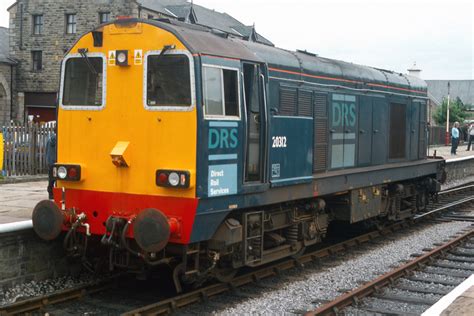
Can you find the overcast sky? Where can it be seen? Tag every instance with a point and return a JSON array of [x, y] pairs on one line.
[[390, 34]]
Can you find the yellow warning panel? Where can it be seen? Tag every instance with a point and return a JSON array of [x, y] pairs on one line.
[[138, 57], [112, 55]]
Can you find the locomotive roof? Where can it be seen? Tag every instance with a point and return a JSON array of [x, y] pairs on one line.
[[204, 40]]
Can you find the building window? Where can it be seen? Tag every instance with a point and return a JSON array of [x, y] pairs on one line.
[[104, 17], [71, 24], [37, 57], [37, 24]]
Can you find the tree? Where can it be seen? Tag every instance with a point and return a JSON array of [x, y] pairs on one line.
[[457, 112]]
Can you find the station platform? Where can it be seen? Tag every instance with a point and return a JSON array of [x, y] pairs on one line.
[[445, 152], [459, 302], [17, 200]]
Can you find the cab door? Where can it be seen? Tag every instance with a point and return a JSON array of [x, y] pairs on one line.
[[255, 123]]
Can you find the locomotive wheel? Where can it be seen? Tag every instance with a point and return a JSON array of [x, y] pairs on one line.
[[224, 274], [299, 253]]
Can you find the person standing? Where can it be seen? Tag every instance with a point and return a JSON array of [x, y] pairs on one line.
[[454, 138], [51, 157], [470, 136]]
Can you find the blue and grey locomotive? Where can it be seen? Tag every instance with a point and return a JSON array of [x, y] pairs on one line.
[[185, 146]]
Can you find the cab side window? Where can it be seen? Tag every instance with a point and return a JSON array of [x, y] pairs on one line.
[[220, 92]]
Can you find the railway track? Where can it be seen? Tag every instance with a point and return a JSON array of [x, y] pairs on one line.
[[447, 201], [39, 303], [417, 284]]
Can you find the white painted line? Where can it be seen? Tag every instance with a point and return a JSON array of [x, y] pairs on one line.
[[459, 159], [15, 226], [449, 298]]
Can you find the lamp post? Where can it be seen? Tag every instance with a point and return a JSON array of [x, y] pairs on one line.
[[447, 116]]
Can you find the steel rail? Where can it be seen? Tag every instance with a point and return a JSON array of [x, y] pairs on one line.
[[462, 187], [38, 303], [334, 307]]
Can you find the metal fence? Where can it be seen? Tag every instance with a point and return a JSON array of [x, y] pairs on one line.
[[25, 149]]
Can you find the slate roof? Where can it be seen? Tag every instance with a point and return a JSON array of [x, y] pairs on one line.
[[464, 89], [206, 17], [4, 46]]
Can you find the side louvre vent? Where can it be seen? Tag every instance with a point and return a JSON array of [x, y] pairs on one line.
[[423, 128], [305, 101], [320, 152], [288, 101]]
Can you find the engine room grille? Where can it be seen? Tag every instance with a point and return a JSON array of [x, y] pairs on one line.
[[320, 152], [305, 100], [288, 100]]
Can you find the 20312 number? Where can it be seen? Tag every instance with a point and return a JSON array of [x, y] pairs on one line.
[[279, 141]]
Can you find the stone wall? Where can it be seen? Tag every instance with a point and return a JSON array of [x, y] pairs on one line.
[[5, 93], [457, 170], [53, 42], [24, 257]]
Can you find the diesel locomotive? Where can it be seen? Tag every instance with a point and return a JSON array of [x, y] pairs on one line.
[[182, 146]]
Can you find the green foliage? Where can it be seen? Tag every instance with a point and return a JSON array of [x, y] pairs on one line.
[[457, 112]]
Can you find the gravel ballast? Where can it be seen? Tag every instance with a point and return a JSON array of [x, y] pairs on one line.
[[338, 275], [40, 288]]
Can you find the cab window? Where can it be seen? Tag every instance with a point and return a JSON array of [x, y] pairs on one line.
[[221, 88], [168, 81], [83, 82]]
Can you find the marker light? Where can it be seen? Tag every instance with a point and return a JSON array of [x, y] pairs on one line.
[[62, 172], [72, 173], [163, 178], [173, 179]]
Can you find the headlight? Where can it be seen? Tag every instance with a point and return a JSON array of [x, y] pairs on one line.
[[122, 57], [62, 172], [67, 172], [173, 179]]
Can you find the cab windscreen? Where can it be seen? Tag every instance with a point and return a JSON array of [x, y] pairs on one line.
[[83, 81], [168, 80]]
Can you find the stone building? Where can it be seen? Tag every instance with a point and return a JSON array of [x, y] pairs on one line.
[[41, 31], [7, 70]]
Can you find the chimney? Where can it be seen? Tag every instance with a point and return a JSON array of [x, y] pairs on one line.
[[414, 71]]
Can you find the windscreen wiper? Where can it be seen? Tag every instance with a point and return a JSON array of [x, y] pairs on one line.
[[83, 52], [165, 49]]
